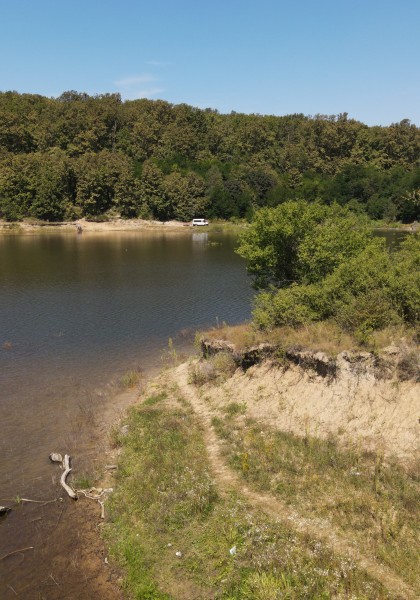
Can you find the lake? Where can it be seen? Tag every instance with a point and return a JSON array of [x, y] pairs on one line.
[[76, 313]]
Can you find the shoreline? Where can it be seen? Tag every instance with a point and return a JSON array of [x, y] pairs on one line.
[[118, 224], [28, 227]]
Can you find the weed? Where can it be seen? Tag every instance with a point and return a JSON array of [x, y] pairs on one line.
[[83, 481], [408, 367], [325, 336], [169, 355], [154, 399], [235, 408], [116, 435], [130, 379], [86, 414]]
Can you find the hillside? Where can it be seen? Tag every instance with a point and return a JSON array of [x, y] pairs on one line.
[[95, 156]]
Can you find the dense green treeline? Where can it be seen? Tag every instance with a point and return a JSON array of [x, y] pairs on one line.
[[79, 155]]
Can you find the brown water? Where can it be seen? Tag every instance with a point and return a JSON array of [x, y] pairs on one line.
[[76, 312]]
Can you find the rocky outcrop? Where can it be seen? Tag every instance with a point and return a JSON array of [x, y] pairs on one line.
[[321, 363], [245, 358], [369, 365]]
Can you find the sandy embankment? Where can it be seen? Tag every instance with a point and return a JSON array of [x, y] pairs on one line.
[[355, 403], [91, 226], [377, 415]]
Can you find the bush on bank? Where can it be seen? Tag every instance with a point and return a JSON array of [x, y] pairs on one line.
[[314, 263]]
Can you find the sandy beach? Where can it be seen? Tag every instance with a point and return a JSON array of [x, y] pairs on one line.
[[27, 226]]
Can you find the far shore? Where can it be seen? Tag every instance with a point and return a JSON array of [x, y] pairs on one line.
[[82, 225], [33, 226]]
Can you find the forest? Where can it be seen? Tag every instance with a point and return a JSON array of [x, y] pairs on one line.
[[99, 157]]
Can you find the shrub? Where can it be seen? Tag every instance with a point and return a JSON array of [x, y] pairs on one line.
[[217, 368]]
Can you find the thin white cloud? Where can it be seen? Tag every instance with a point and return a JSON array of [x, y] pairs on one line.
[[149, 93], [138, 86], [128, 82]]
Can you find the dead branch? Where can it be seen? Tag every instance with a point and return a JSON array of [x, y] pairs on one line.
[[10, 588], [90, 496], [40, 501], [16, 552], [67, 469]]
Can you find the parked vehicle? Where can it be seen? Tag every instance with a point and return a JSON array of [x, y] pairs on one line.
[[199, 222]]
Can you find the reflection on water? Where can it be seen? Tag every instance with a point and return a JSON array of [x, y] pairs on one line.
[[77, 311], [200, 238]]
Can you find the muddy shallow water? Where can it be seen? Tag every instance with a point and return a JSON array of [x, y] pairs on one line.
[[76, 313]]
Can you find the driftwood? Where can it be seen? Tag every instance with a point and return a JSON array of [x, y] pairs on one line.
[[67, 469], [99, 495], [16, 552], [65, 462]]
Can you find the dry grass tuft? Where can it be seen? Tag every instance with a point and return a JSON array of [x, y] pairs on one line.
[[216, 369]]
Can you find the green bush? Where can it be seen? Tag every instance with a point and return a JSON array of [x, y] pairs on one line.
[[293, 306], [364, 293]]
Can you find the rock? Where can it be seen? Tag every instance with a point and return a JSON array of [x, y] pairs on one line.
[[243, 358], [55, 457], [232, 551], [212, 347], [254, 355], [4, 510], [178, 554], [319, 362], [391, 350]]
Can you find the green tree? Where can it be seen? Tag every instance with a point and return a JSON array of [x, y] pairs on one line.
[[300, 242], [186, 194]]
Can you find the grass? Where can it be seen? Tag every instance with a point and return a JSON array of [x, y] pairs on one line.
[[130, 379], [83, 481], [371, 501], [176, 536], [215, 369]]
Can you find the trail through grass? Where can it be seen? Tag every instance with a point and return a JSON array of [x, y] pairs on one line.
[[179, 533]]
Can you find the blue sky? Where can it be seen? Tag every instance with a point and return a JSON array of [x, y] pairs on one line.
[[268, 57]]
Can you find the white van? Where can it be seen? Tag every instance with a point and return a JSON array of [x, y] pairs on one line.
[[199, 222]]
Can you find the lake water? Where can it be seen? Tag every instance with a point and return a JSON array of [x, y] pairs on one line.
[[76, 312]]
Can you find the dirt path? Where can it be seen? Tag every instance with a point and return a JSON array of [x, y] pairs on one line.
[[228, 480]]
